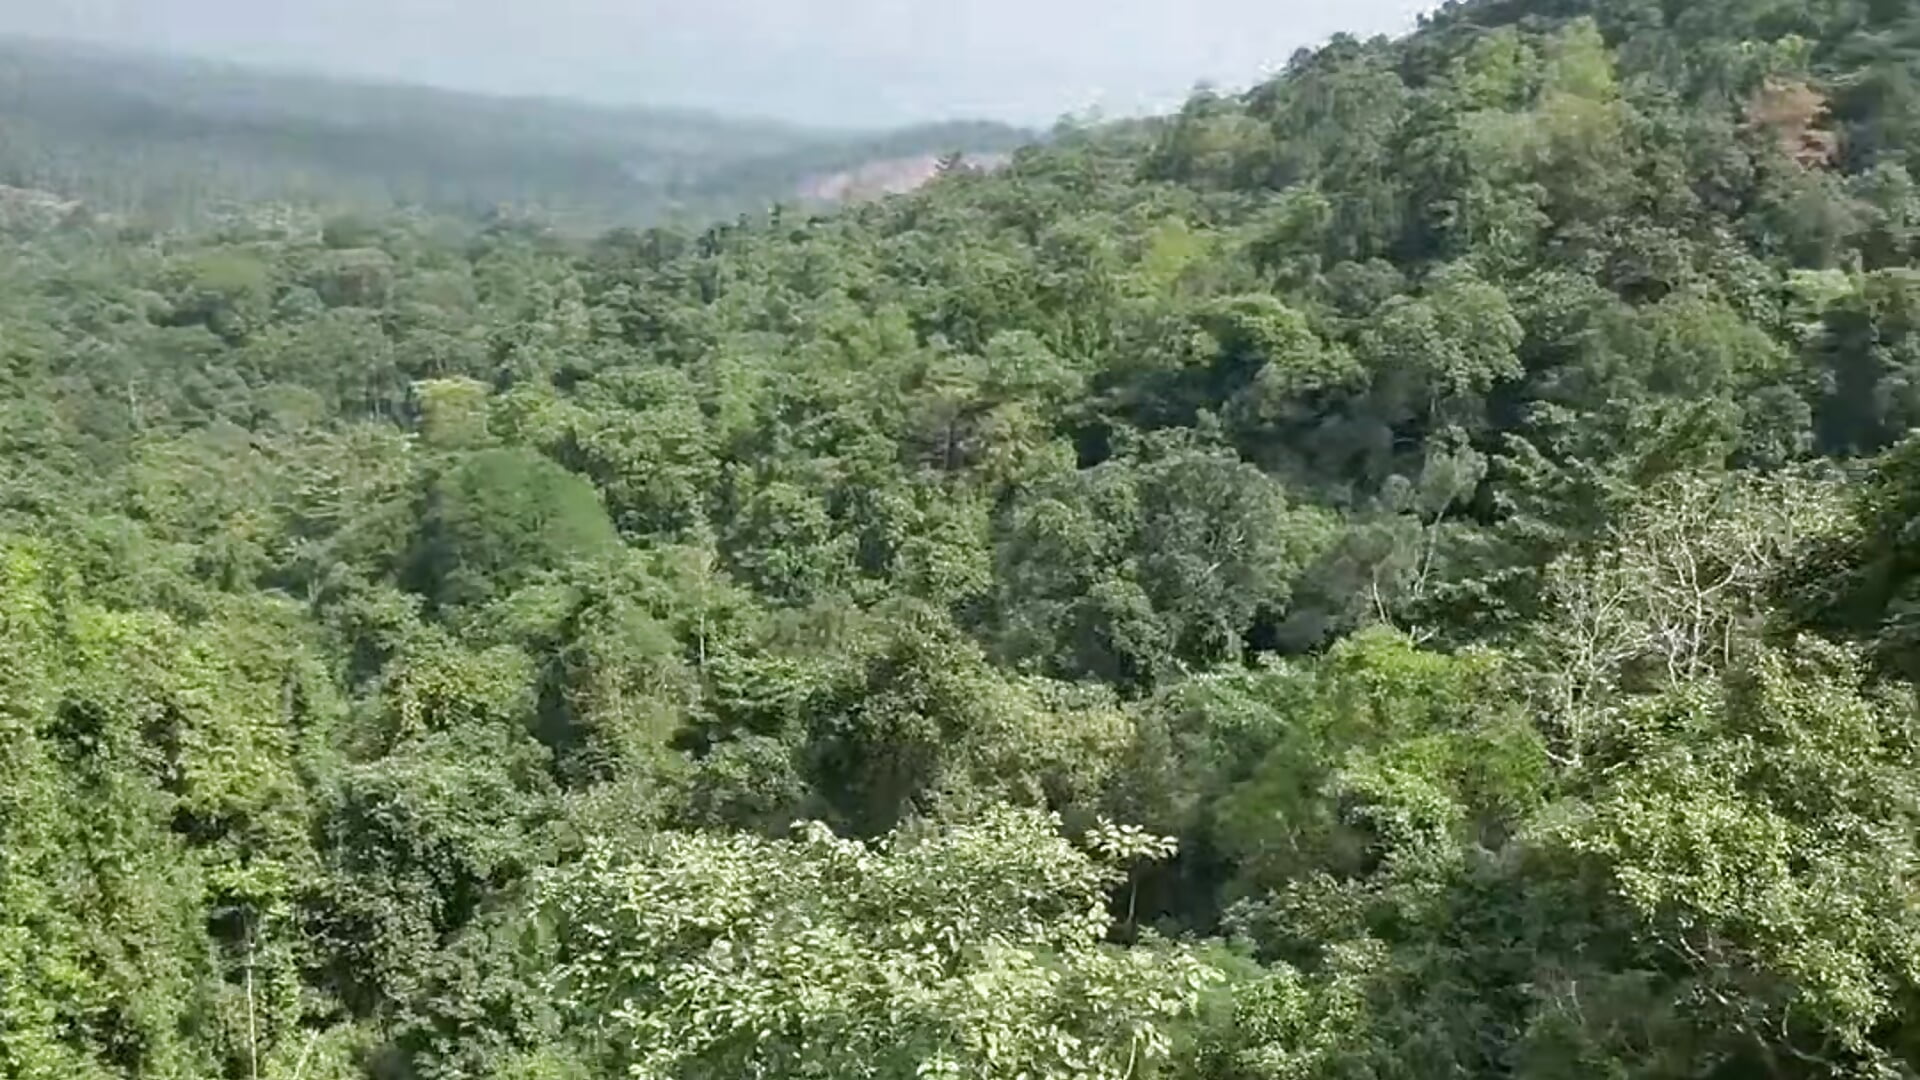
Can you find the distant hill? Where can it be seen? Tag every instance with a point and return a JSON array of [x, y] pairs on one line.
[[166, 138]]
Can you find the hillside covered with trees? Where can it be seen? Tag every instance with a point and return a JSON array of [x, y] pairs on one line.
[[179, 142], [1404, 573]]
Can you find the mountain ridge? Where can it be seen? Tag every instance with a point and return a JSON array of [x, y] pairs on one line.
[[79, 119]]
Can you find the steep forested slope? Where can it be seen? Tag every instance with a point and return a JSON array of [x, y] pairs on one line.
[[1407, 572]]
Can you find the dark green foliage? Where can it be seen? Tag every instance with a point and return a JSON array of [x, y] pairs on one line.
[[1860, 580], [1128, 571]]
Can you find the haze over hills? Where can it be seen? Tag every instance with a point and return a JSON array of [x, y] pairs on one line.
[[824, 62], [169, 138]]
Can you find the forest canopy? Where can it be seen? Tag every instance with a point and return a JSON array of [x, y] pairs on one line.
[[1404, 572]]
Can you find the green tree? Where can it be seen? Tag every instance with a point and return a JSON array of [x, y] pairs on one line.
[[971, 951], [497, 518]]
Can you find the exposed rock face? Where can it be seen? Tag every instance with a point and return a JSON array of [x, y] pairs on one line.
[[889, 176]]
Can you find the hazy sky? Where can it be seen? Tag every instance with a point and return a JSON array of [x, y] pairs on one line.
[[821, 61]]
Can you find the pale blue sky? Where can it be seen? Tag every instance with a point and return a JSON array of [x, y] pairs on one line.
[[818, 61]]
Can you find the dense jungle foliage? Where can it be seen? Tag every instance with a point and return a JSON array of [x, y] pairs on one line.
[[1408, 572]]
